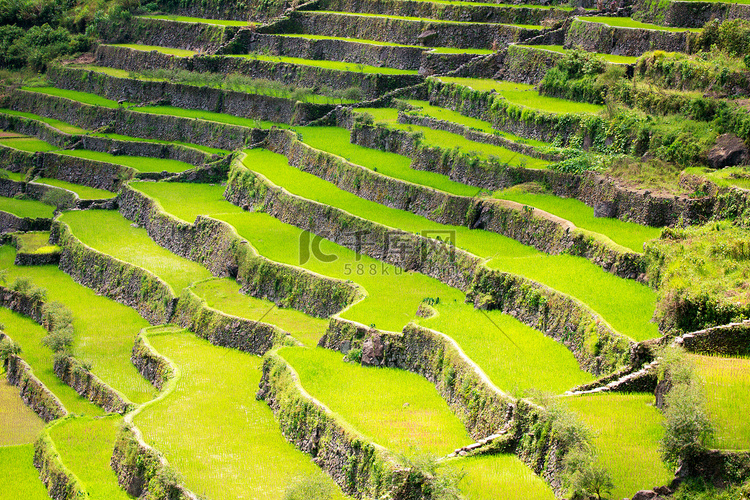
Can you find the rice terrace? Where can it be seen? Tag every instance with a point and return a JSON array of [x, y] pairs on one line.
[[374, 249]]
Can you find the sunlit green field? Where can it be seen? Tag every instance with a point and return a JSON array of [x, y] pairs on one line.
[[26, 208], [18, 423], [105, 344], [226, 444], [34, 242], [626, 22], [140, 163], [499, 476], [628, 234], [224, 295], [334, 65], [184, 19], [448, 140], [208, 116], [111, 233], [19, 478], [607, 57], [627, 429], [59, 125], [397, 409], [407, 18], [74, 95], [85, 446], [727, 381], [188, 200], [29, 144], [83, 192], [522, 94], [156, 48]]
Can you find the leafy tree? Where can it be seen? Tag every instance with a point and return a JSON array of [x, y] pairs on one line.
[[585, 475], [8, 348]]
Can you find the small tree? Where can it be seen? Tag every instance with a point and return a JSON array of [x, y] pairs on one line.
[[309, 488], [8, 348], [585, 475], [59, 339]]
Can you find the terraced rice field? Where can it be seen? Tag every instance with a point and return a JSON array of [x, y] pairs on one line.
[[18, 423], [607, 57], [19, 478], [626, 22], [26, 208]]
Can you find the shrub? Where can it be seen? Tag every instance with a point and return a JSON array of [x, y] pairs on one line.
[[22, 284], [56, 315], [309, 488], [354, 356], [59, 198], [8, 348], [585, 475], [60, 339]]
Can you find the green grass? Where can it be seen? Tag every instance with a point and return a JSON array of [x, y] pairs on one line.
[[205, 149], [607, 57], [727, 381], [163, 50], [628, 234], [26, 208], [627, 431], [450, 50], [140, 163], [525, 95], [626, 304], [448, 140], [14, 176], [225, 295], [35, 243], [85, 446], [226, 444], [343, 39], [111, 233], [333, 65], [29, 335], [83, 192], [59, 125], [208, 116], [184, 19], [30, 144], [84, 97], [335, 140], [397, 409], [18, 423], [106, 345], [188, 200], [421, 20], [494, 477], [626, 22], [20, 479], [725, 177]]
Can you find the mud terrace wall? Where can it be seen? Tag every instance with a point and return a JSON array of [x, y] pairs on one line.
[[32, 391], [688, 14], [153, 366], [597, 37], [373, 85], [254, 106], [61, 483], [134, 124], [142, 471], [595, 345], [408, 58], [128, 284], [222, 251], [73, 373], [223, 329], [361, 468]]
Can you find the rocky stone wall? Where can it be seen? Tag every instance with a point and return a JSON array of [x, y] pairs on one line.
[[718, 467], [361, 468], [527, 64], [33, 259], [32, 391], [596, 346], [688, 14], [73, 373], [403, 31], [201, 37], [725, 340], [372, 84], [222, 251], [598, 37], [10, 223], [245, 105], [223, 329], [41, 130], [153, 366], [61, 483], [128, 284], [437, 63], [227, 9], [134, 124]]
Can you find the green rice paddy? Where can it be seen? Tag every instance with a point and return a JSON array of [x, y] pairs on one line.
[[34, 243], [106, 345], [224, 295], [726, 389], [344, 39], [607, 57], [85, 446], [59, 125], [109, 232], [627, 429], [407, 18], [626, 22], [205, 199], [628, 234], [184, 19], [155, 48], [18, 423], [20, 479], [140, 163], [499, 476], [14, 176], [26, 208], [74, 95], [334, 65], [83, 192], [208, 116], [448, 140], [215, 398], [29, 144], [199, 147], [525, 95]]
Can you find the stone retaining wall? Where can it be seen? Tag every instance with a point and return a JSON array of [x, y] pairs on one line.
[[527, 64], [361, 468], [372, 84], [222, 251], [725, 340], [73, 373], [598, 37], [128, 284], [688, 14], [223, 329], [150, 364], [202, 37], [33, 392], [61, 483], [10, 223], [245, 105]]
